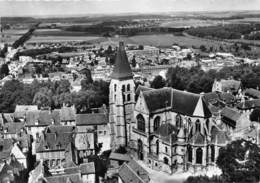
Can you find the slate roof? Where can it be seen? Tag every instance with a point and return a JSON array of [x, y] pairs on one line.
[[166, 129], [91, 119], [122, 69], [182, 102], [230, 116], [141, 88], [252, 93]]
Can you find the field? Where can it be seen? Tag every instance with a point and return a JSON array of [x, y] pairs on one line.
[[179, 23]]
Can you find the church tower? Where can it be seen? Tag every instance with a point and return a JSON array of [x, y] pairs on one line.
[[121, 100]]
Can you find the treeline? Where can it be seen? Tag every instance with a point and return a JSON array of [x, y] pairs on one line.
[[197, 81], [231, 31], [25, 37], [53, 95], [34, 52]]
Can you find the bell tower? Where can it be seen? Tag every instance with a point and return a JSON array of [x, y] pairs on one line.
[[121, 100]]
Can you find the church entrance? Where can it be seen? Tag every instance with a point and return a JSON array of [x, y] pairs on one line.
[[140, 150]]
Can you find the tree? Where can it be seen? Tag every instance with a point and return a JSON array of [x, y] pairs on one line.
[[203, 48], [4, 71], [158, 82], [240, 161], [133, 62]]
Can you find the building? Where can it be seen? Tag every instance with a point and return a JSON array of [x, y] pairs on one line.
[[230, 86], [168, 129], [121, 99]]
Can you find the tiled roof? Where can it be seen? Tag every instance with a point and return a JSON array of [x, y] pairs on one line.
[[230, 85], [230, 116], [87, 168], [13, 127], [56, 138], [91, 119], [43, 117], [67, 114], [120, 157], [226, 97], [122, 69], [25, 108], [67, 178], [253, 93], [141, 172], [141, 88], [209, 97], [182, 102], [249, 104], [6, 145], [133, 173]]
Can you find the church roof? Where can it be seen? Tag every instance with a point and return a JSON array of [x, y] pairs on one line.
[[182, 102], [122, 69]]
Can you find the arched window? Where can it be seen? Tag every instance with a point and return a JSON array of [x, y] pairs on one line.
[[197, 126], [140, 123], [165, 160], [199, 156], [157, 147], [123, 88], [207, 124], [156, 123], [128, 97], [212, 153], [166, 150], [189, 153], [115, 87], [128, 87], [178, 121]]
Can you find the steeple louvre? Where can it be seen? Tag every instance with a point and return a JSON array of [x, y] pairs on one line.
[[122, 69]]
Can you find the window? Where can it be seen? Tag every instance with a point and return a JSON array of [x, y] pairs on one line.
[[128, 87], [212, 153], [207, 123], [178, 121], [123, 98], [123, 88], [166, 150], [198, 126], [156, 124], [199, 156], [189, 153], [165, 160], [157, 147], [140, 123], [115, 87], [115, 97], [128, 97]]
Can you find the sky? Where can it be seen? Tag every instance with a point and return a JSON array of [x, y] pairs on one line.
[[79, 7]]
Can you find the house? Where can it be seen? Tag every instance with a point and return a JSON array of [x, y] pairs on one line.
[[232, 119], [56, 146], [21, 110], [97, 122], [230, 86], [37, 121], [252, 93], [84, 173]]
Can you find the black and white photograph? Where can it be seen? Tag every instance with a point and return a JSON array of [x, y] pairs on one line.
[[129, 91]]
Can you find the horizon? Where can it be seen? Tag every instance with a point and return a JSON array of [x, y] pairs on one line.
[[52, 8]]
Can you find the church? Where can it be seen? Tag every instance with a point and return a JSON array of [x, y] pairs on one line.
[[170, 130]]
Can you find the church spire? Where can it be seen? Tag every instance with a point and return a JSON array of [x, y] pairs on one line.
[[122, 69]]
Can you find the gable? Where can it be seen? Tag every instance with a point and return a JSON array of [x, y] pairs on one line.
[[141, 105]]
